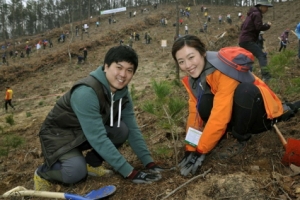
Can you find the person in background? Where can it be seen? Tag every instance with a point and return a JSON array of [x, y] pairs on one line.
[[8, 98], [96, 114], [80, 59], [250, 30], [186, 29], [220, 19], [50, 43], [85, 54], [4, 58], [239, 15], [205, 27], [284, 39], [224, 96], [130, 41]]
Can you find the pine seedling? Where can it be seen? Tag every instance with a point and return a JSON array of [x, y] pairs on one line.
[[166, 108]]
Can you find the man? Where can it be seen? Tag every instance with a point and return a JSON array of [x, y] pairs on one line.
[[250, 30], [8, 98], [97, 115]]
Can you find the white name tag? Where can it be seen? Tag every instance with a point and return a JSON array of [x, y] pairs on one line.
[[193, 136]]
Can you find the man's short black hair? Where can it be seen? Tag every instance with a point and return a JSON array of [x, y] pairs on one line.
[[121, 53]]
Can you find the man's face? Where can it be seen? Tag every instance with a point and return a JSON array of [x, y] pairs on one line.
[[119, 75]]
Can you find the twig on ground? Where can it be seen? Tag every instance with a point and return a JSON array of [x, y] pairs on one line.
[[181, 186], [224, 165], [31, 151], [237, 197], [159, 195], [271, 182], [274, 198], [144, 125], [285, 193]]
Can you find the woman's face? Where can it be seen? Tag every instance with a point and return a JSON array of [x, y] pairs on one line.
[[190, 61]]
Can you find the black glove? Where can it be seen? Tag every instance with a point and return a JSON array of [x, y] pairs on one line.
[[288, 111], [185, 159], [142, 177], [154, 168], [192, 164]]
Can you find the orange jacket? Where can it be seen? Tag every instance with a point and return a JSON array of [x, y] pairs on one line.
[[223, 88], [8, 94]]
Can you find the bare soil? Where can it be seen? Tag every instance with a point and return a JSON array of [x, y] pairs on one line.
[[38, 81]]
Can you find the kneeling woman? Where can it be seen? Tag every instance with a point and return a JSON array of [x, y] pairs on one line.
[[225, 96]]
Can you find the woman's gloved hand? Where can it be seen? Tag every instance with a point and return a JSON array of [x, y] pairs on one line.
[[185, 159], [191, 163]]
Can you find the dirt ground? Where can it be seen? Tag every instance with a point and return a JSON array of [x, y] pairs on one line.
[[40, 80]]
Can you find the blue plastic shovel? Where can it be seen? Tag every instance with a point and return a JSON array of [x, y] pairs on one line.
[[93, 195]]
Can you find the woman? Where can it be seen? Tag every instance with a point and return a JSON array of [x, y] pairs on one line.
[[225, 96], [284, 39]]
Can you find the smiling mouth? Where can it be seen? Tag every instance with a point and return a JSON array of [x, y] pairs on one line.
[[191, 70]]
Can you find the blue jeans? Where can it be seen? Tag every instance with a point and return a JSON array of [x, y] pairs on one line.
[[260, 55]]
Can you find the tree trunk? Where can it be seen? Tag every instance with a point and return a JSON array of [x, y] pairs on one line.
[[71, 28]]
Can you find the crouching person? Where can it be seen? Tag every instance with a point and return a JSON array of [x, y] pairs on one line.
[[96, 114], [224, 96]]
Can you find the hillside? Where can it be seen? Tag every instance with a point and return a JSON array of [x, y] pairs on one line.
[[40, 80]]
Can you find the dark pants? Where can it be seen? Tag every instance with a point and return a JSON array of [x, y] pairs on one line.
[[71, 167], [248, 112], [80, 59], [260, 55], [9, 103], [282, 45]]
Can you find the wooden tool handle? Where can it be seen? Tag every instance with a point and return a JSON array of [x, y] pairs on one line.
[[21, 191], [282, 139]]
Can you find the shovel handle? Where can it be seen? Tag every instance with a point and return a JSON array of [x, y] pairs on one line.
[[282, 139]]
